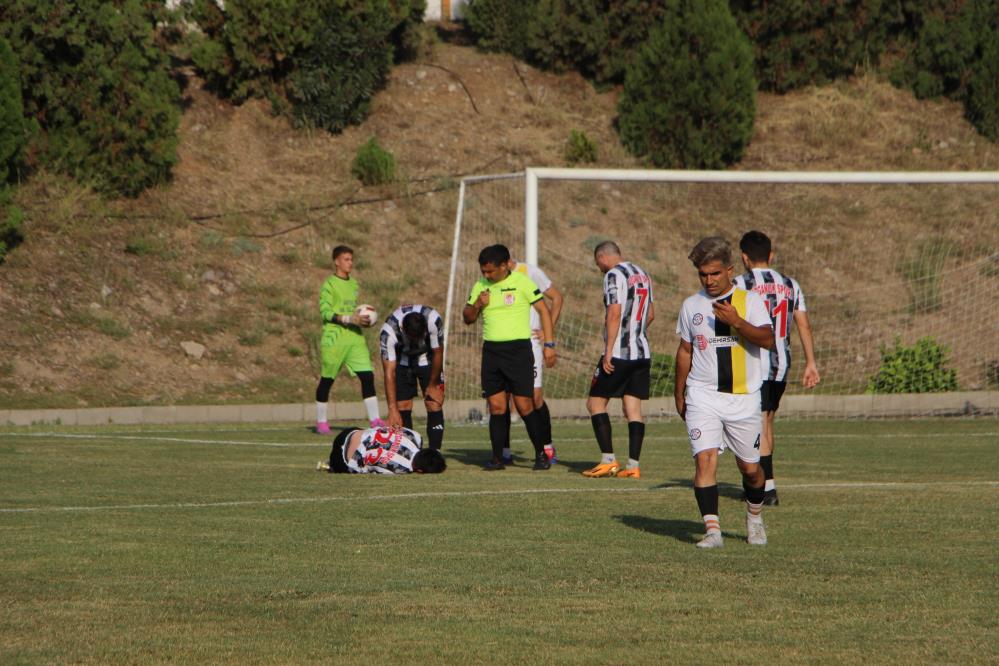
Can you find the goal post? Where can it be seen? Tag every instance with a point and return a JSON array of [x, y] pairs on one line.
[[881, 257]]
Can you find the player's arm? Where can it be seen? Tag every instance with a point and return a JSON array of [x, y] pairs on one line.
[[435, 389], [612, 324], [810, 378], [477, 302], [547, 331], [556, 307], [651, 315], [684, 355], [394, 417], [762, 336]]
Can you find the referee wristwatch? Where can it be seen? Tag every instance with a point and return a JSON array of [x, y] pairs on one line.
[[549, 345]]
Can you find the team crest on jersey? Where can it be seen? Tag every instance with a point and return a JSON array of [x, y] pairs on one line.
[[701, 342], [695, 434], [698, 318], [509, 299]]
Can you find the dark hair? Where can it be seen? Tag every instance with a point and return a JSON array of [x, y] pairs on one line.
[[606, 247], [414, 325], [756, 245], [429, 461], [337, 463], [341, 249], [712, 248], [494, 254]]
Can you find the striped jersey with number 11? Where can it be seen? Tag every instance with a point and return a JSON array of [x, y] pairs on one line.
[[628, 285], [783, 298]]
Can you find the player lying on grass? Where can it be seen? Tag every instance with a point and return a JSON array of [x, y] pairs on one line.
[[381, 451], [722, 329]]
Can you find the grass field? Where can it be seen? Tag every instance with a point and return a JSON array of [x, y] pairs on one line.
[[223, 544]]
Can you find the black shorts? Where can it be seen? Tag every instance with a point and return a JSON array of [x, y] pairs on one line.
[[508, 366], [770, 394], [629, 378], [407, 378]]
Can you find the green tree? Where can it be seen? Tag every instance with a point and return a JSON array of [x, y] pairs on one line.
[[13, 128], [689, 98]]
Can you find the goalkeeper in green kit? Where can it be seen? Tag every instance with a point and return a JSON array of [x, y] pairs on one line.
[[343, 342]]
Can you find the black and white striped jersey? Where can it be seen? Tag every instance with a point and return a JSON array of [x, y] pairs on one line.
[[628, 285], [783, 298], [385, 451], [395, 346]]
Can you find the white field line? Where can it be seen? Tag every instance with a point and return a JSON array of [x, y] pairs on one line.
[[325, 442], [888, 485]]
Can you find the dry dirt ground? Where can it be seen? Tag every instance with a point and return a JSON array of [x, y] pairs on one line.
[[101, 296]]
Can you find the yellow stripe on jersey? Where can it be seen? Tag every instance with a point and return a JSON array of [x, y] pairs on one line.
[[739, 350]]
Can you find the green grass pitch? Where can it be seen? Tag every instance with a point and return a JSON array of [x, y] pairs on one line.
[[223, 544]]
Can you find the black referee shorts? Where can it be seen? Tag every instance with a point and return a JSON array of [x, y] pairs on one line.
[[770, 395], [628, 378], [508, 366]]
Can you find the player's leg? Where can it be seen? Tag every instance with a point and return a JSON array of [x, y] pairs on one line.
[[507, 450], [358, 360], [636, 390], [520, 380], [539, 398], [433, 400], [494, 388], [602, 389], [405, 391], [742, 435], [331, 358], [770, 396], [706, 436]]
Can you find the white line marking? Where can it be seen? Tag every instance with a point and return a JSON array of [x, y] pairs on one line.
[[475, 493]]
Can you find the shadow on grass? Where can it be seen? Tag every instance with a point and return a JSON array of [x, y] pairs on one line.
[[686, 531]]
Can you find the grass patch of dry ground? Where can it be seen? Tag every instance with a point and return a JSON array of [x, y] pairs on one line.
[[222, 544]]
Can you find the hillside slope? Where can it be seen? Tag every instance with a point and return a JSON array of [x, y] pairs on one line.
[[230, 255]]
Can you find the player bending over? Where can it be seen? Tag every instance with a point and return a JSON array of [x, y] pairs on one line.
[[381, 451], [412, 347], [786, 305], [623, 371], [722, 329]]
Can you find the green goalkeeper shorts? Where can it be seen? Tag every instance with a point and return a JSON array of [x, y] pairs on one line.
[[340, 347]]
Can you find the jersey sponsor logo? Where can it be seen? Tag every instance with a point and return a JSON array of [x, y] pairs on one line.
[[509, 299], [701, 342], [766, 288], [698, 319], [695, 433], [724, 340], [637, 279]]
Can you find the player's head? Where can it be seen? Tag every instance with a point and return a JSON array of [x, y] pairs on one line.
[[343, 259], [337, 463], [414, 326], [756, 248], [712, 257], [494, 262], [429, 461], [607, 255]]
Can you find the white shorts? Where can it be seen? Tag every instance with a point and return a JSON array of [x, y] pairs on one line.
[[724, 421], [539, 361]]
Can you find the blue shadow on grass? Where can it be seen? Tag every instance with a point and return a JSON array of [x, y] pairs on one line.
[[687, 531]]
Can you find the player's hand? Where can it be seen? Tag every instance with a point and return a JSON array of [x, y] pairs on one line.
[[608, 364], [483, 300], [363, 320], [537, 333], [725, 312], [394, 418], [550, 357], [681, 407], [811, 377]]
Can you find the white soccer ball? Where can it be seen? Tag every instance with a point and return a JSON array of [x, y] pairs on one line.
[[368, 311]]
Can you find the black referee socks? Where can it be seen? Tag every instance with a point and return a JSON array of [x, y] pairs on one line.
[[535, 430], [499, 433]]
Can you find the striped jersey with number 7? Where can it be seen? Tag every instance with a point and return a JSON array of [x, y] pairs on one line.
[[631, 287]]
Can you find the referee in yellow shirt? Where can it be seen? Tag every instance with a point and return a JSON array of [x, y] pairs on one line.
[[504, 300]]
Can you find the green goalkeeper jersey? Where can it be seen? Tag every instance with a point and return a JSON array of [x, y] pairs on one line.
[[337, 297]]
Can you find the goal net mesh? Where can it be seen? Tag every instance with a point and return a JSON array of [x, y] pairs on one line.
[[877, 263]]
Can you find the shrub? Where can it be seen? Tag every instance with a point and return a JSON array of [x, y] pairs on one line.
[[982, 106], [917, 369], [798, 42], [689, 97], [373, 165], [579, 148], [569, 34], [13, 128], [502, 25], [99, 88], [11, 217], [346, 64]]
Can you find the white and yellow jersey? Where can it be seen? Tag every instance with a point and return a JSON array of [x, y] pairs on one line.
[[722, 360]]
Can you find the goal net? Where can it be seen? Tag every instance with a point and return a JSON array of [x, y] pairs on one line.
[[895, 269]]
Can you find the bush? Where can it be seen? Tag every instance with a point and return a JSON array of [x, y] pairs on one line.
[[11, 218], [579, 148], [798, 42], [689, 97], [13, 128], [502, 25], [346, 64], [982, 106], [917, 369], [99, 88], [373, 165], [569, 34]]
